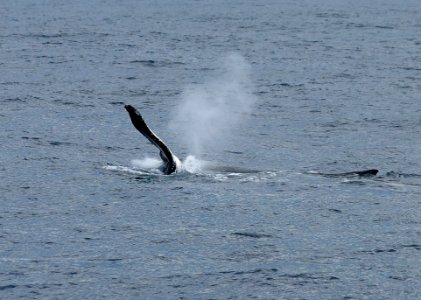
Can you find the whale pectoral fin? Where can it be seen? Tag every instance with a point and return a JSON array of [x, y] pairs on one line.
[[164, 152], [163, 157]]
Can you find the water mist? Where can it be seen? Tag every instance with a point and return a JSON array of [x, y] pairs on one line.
[[209, 113]]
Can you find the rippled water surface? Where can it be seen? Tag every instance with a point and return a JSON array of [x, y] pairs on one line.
[[336, 87]]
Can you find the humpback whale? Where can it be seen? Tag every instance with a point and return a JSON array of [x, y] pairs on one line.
[[364, 173], [171, 163]]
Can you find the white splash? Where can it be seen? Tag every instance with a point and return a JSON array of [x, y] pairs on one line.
[[146, 163], [124, 169], [152, 166], [193, 165]]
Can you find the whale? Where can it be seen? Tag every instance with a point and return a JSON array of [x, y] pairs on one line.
[[170, 162], [363, 173]]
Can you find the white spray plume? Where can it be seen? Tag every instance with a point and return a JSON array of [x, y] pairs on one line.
[[209, 112]]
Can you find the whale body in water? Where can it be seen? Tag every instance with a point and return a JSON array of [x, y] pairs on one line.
[[172, 163]]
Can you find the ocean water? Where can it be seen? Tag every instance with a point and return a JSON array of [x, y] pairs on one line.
[[270, 92]]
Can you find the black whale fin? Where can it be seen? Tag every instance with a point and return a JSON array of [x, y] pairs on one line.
[[165, 153]]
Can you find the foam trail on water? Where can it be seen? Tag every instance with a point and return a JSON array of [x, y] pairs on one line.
[[124, 169], [146, 163], [209, 112]]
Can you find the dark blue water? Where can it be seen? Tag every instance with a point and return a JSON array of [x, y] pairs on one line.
[[335, 87]]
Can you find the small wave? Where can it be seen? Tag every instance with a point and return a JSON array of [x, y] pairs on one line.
[[394, 174], [400, 179], [16, 99], [59, 143], [148, 62], [119, 103], [384, 27], [6, 287], [154, 63], [412, 246], [252, 235]]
